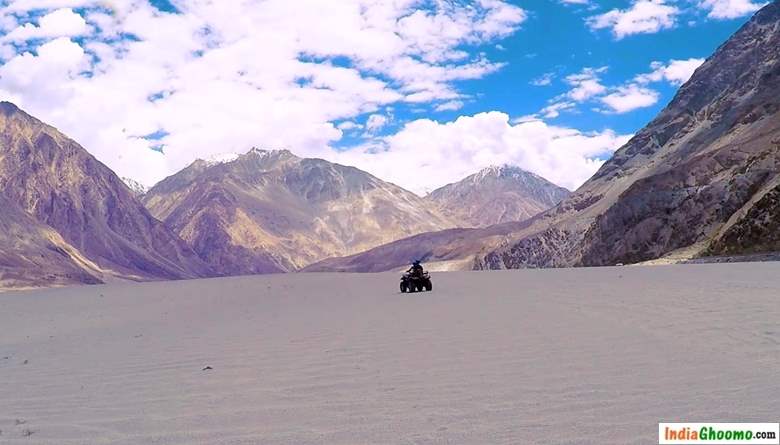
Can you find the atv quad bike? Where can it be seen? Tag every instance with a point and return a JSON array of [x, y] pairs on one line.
[[416, 283]]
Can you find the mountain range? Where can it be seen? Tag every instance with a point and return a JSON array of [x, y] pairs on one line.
[[271, 211], [69, 219], [701, 179]]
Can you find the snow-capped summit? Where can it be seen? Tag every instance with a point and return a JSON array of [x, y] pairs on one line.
[[221, 158], [136, 187]]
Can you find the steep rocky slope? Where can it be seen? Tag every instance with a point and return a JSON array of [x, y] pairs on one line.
[[756, 229], [32, 253], [270, 211], [55, 182], [496, 195], [702, 176]]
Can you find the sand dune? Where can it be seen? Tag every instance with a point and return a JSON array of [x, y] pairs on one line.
[[579, 356]]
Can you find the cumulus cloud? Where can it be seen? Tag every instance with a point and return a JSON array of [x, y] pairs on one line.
[[60, 23], [643, 17], [676, 72], [349, 125], [630, 97], [223, 76], [634, 94], [47, 76], [730, 9], [585, 84], [376, 122], [447, 152]]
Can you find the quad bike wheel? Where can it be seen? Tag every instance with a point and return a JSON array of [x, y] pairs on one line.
[[429, 285], [403, 288]]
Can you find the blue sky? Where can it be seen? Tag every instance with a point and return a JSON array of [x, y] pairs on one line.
[[553, 86], [555, 39]]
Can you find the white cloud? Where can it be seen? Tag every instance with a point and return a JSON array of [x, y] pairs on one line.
[[436, 34], [630, 97], [348, 126], [60, 23], [47, 76], [376, 122], [447, 152], [635, 94], [224, 76], [543, 80], [32, 5], [554, 110], [587, 88], [586, 84], [676, 72], [7, 23], [730, 9], [643, 17], [452, 105]]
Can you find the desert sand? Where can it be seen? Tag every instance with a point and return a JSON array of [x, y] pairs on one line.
[[571, 356]]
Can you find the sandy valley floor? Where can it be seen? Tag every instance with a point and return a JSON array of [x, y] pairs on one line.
[[581, 356]]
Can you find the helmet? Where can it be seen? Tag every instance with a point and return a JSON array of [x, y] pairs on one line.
[[416, 262]]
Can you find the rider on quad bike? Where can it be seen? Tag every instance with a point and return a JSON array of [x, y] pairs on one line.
[[416, 270], [416, 279]]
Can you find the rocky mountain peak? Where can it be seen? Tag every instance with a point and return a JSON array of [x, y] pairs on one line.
[[221, 158], [253, 155], [497, 194], [7, 108], [11, 115], [506, 171], [136, 187], [264, 154], [257, 159]]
